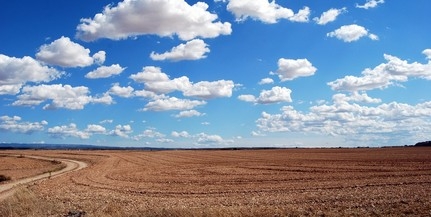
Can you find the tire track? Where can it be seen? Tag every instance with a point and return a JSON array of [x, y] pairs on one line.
[[8, 189]]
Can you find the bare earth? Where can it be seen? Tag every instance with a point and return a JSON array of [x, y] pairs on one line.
[[18, 167], [58, 167], [286, 182]]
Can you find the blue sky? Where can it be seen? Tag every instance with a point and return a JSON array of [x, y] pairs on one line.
[[175, 73]]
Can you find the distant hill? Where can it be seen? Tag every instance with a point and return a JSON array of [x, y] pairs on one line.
[[4, 146], [427, 143]]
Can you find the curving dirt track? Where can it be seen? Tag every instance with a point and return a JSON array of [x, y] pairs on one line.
[[292, 182], [7, 189]]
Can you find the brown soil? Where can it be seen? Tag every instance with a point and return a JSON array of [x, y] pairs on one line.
[[292, 182], [18, 167]]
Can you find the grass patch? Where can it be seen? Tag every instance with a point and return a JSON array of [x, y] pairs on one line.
[[25, 203]]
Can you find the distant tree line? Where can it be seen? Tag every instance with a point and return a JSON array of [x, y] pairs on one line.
[[427, 143]]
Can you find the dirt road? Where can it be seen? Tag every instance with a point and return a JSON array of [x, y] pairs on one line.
[[8, 189]]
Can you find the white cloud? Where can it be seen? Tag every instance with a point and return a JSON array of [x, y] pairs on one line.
[[95, 128], [289, 69], [265, 11], [99, 57], [64, 52], [158, 82], [247, 98], [188, 114], [370, 4], [275, 95], [14, 124], [209, 90], [427, 52], [183, 134], [66, 96], [349, 33], [161, 17], [302, 16], [148, 94], [125, 92], [192, 50], [105, 71], [68, 131], [150, 74], [329, 16], [107, 121], [266, 81], [121, 131], [383, 75], [354, 97], [203, 138], [388, 121], [15, 72], [164, 140], [104, 99], [172, 103], [149, 133]]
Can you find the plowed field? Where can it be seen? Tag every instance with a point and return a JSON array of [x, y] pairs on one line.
[[18, 167], [292, 182]]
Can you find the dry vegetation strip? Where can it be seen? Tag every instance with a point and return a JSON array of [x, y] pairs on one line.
[[335, 182]]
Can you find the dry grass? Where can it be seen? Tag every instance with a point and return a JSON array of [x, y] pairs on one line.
[[25, 203], [293, 182]]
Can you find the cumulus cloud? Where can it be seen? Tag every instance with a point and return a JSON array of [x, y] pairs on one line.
[[172, 103], [329, 16], [66, 96], [383, 75], [105, 71], [189, 113], [160, 17], [149, 133], [347, 118], [183, 134], [125, 92], [265, 11], [247, 98], [370, 4], [209, 89], [266, 81], [203, 138], [150, 74], [95, 128], [275, 95], [16, 125], [70, 130], [427, 52], [157, 81], [289, 69], [192, 50], [121, 131], [63, 52], [105, 99], [349, 33], [15, 72]]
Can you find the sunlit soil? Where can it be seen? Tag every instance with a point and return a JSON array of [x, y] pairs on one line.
[[295, 182], [19, 166]]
